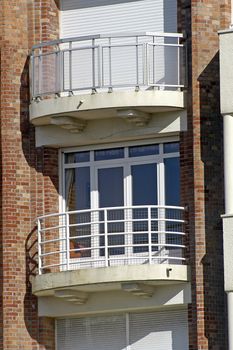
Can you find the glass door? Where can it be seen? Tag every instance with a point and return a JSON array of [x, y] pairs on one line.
[[144, 193], [110, 182]]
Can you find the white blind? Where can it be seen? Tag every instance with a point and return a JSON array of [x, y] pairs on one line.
[[92, 333], [88, 17], [85, 17], [163, 330]]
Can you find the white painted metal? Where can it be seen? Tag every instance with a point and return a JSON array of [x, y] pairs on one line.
[[155, 330], [107, 61], [50, 249]]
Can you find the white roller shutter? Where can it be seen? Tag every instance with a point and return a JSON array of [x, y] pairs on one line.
[[91, 17], [164, 330], [161, 330], [86, 17], [92, 333]]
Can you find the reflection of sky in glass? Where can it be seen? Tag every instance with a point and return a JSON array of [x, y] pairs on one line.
[[139, 151], [77, 157], [172, 181], [113, 153], [110, 185], [144, 186], [171, 147]]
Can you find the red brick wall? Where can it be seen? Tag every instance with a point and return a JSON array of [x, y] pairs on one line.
[[29, 177], [28, 183], [202, 171]]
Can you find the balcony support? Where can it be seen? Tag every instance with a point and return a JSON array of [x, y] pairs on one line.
[[134, 116], [76, 297], [74, 125], [138, 289]]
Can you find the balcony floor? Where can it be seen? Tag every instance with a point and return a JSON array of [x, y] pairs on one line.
[[104, 105], [109, 278]]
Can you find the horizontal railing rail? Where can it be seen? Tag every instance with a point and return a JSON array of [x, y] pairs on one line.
[[111, 237], [121, 60]]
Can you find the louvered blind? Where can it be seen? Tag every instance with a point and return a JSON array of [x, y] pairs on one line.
[[163, 330], [86, 17], [90, 17]]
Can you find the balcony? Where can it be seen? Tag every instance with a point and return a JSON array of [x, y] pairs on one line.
[[111, 246], [128, 76]]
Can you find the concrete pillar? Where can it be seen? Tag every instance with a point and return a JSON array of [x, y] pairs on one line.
[[228, 183], [230, 319], [228, 162]]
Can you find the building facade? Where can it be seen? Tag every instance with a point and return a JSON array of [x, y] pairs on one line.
[[112, 181]]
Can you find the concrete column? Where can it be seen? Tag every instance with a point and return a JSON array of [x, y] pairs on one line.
[[228, 183], [230, 319], [228, 163]]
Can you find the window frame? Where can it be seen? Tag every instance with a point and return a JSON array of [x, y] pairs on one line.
[[126, 162]]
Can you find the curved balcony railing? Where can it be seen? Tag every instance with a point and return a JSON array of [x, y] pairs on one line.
[[111, 237], [106, 62]]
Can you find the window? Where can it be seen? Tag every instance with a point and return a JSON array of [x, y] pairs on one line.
[[154, 330], [112, 189]]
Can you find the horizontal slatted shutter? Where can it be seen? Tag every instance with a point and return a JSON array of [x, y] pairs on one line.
[[90, 17], [92, 333], [161, 330], [164, 330], [86, 17]]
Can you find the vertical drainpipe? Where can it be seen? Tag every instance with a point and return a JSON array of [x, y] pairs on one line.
[[228, 185]]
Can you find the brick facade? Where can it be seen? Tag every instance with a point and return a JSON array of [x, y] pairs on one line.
[[28, 177], [202, 172]]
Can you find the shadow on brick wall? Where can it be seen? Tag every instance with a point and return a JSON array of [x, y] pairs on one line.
[[212, 158], [40, 329]]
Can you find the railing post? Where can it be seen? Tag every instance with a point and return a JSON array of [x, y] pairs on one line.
[[70, 67], [137, 65], [93, 67], [39, 246], [67, 233], [149, 235], [40, 62], [99, 66], [57, 70], [145, 64], [178, 62], [110, 66], [62, 73], [32, 76], [153, 57], [106, 238], [161, 232]]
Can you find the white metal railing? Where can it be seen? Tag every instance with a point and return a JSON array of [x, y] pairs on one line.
[[122, 60], [111, 237]]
